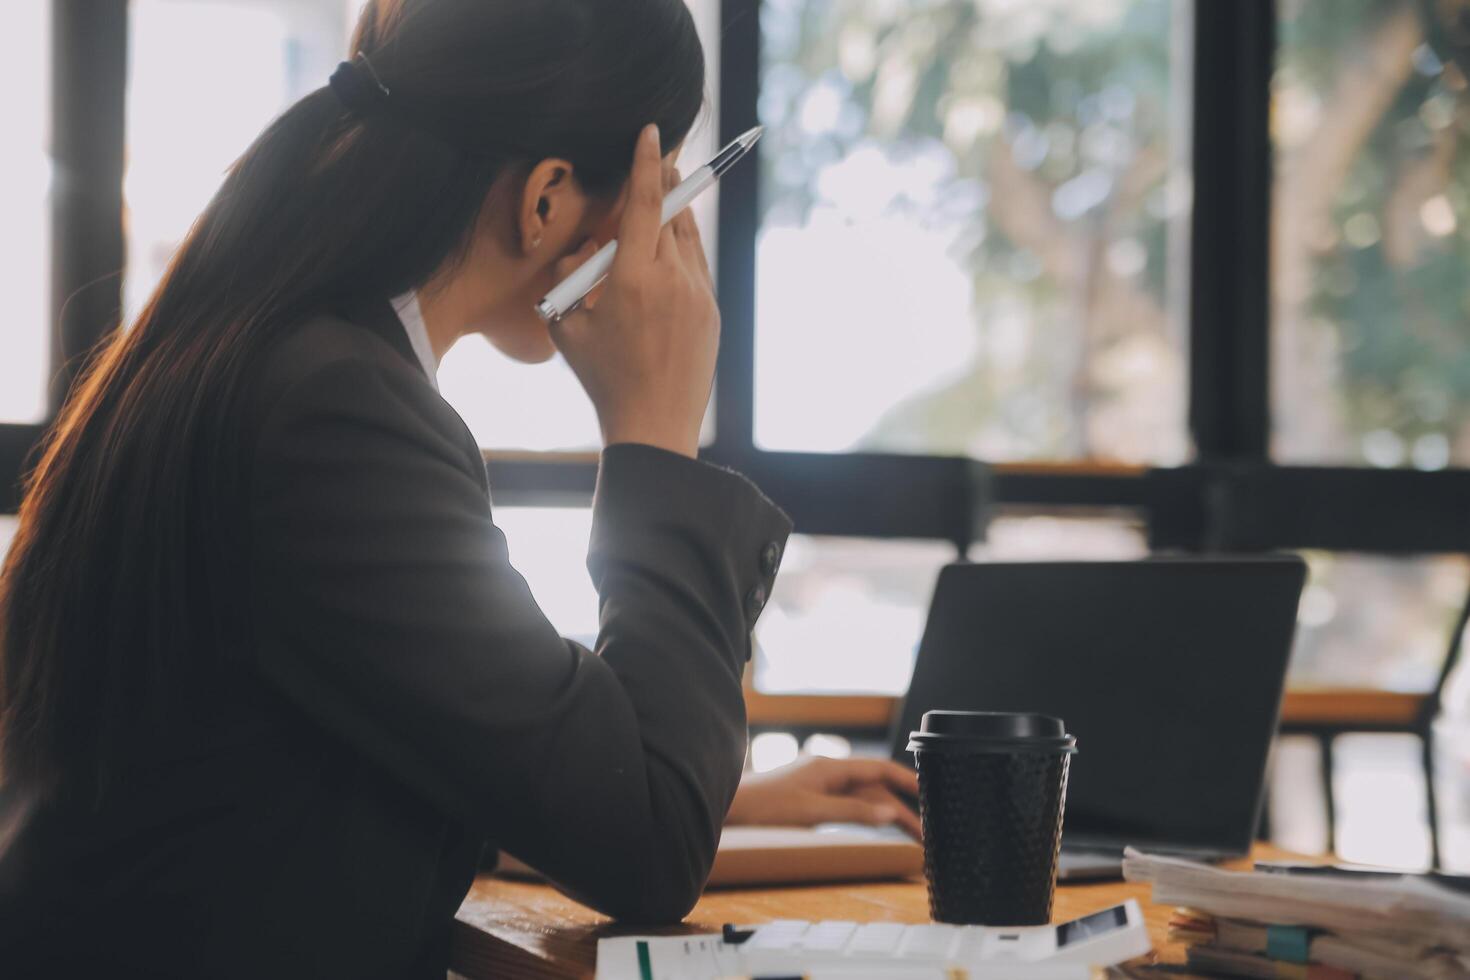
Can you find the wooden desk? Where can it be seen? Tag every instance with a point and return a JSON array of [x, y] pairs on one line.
[[1351, 709], [1302, 708], [520, 931]]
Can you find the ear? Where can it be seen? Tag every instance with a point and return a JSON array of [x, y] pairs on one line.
[[552, 203]]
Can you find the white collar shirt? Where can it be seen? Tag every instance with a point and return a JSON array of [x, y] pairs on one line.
[[412, 318]]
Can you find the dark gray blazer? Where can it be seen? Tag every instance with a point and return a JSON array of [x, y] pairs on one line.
[[403, 701]]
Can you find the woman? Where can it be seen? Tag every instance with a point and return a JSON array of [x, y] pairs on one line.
[[270, 683]]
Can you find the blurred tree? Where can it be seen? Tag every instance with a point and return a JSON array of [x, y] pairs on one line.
[[1370, 237], [1054, 119], [1053, 136], [1061, 129]]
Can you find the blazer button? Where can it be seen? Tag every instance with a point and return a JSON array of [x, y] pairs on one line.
[[755, 601], [770, 558]]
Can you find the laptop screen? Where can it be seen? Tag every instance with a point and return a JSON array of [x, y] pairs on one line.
[[1168, 671]]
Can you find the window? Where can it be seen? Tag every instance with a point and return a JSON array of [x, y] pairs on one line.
[[1377, 622], [1371, 235], [1001, 194], [517, 406], [1379, 790], [1041, 537], [994, 190], [846, 614], [548, 546], [204, 78], [8, 524], [25, 232]]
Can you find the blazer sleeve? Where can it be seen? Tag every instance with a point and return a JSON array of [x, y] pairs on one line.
[[386, 607]]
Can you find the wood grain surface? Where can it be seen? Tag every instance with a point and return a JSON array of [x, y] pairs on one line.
[[520, 931], [1343, 707]]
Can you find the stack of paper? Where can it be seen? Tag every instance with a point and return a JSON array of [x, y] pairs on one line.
[[1253, 924]]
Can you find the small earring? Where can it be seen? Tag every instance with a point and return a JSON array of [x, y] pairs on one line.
[[536, 242]]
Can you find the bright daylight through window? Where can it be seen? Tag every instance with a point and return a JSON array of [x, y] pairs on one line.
[[998, 192], [847, 614], [25, 203], [1371, 226]]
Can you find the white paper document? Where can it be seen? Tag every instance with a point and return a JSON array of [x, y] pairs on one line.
[[890, 950]]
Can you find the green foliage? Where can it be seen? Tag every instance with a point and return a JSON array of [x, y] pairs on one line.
[[1080, 96], [1401, 318], [1080, 100]]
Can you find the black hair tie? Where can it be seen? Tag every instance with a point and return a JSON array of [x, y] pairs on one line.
[[358, 87]]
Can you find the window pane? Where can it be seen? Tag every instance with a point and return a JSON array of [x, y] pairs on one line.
[[1379, 798], [8, 524], [517, 406], [1041, 538], [204, 78], [1452, 764], [548, 546], [25, 232], [1371, 235], [847, 614], [1370, 621], [970, 217]]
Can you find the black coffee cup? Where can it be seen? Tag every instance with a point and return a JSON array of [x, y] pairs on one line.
[[992, 787]]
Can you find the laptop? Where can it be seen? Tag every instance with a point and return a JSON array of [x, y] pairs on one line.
[[1169, 671]]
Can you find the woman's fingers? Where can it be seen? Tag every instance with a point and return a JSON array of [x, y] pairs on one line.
[[638, 230], [901, 778], [904, 816], [881, 785], [679, 239], [872, 805], [646, 353], [700, 258], [691, 248], [589, 302], [884, 771], [849, 809], [686, 233], [668, 245]]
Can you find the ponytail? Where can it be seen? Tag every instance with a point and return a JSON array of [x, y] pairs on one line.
[[108, 602]]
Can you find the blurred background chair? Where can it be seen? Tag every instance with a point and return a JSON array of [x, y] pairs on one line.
[[1324, 714]]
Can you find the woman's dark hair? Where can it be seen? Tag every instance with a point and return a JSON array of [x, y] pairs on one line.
[[107, 601]]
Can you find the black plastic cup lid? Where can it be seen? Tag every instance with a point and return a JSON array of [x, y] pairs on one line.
[[991, 724], [999, 728]]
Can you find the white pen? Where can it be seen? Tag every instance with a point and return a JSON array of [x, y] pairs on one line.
[[568, 294]]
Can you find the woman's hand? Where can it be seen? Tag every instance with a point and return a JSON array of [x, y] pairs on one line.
[[817, 790], [644, 346]]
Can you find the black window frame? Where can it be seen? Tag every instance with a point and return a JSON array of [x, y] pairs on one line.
[[88, 84], [1231, 497]]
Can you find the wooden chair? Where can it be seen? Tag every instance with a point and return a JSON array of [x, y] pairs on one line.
[[1321, 713], [1325, 714]]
